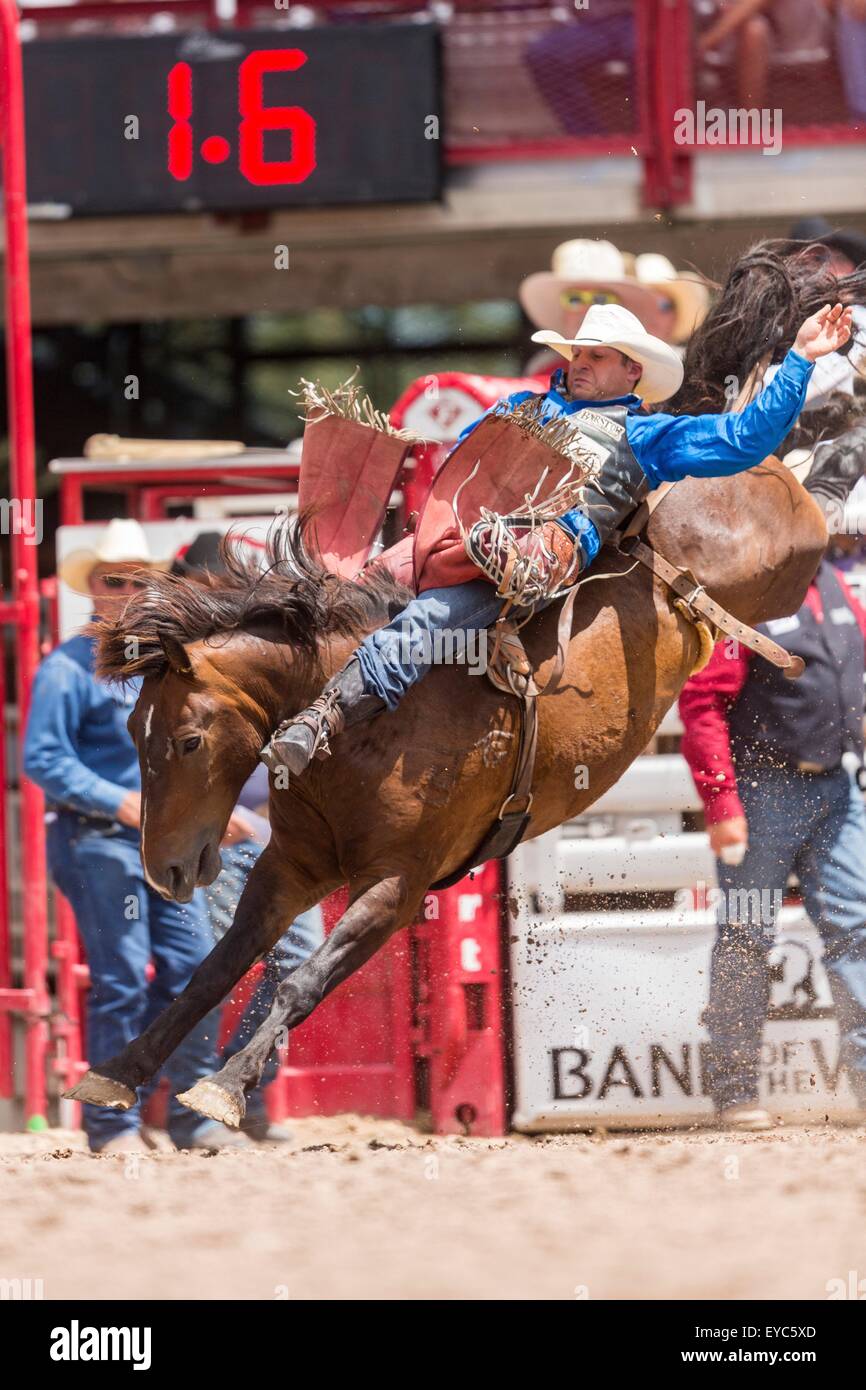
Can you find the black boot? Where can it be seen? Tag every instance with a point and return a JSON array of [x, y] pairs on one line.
[[342, 703], [614, 493]]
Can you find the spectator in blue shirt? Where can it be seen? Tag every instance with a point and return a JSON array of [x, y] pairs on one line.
[[78, 750], [608, 362]]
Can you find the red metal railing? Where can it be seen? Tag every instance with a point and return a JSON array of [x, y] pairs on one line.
[[22, 613], [431, 1002]]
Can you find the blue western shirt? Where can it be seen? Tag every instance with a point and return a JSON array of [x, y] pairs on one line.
[[77, 747], [670, 447]]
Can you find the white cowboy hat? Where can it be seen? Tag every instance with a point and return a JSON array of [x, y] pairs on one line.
[[610, 325], [583, 264], [122, 542], [690, 296]]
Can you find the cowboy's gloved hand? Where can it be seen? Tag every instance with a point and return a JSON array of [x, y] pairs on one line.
[[563, 556]]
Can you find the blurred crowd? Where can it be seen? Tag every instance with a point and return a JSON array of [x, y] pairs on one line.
[[807, 57]]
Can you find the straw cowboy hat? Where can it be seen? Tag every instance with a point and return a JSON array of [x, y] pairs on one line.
[[583, 264], [688, 293], [610, 325], [123, 542], [637, 281]]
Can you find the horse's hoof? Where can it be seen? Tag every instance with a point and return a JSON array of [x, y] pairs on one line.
[[208, 1098], [94, 1089]]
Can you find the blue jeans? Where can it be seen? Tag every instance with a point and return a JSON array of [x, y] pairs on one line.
[[395, 657], [298, 943], [123, 925], [817, 826]]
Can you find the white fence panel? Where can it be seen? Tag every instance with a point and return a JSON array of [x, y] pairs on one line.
[[608, 1005]]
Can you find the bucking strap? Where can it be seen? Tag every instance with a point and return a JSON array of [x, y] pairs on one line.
[[698, 601], [510, 671], [513, 675]]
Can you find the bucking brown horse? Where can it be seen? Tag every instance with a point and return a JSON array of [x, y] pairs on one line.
[[407, 798]]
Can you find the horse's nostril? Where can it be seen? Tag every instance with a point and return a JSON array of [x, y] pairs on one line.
[[173, 878]]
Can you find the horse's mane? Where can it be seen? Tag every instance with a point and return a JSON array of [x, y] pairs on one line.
[[293, 594], [767, 294]]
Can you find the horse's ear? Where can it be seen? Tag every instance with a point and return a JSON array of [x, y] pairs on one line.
[[176, 653]]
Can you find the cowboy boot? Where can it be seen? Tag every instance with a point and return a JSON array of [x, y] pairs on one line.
[[342, 703]]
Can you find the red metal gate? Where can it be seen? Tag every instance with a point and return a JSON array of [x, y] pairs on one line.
[[20, 613], [417, 1029]]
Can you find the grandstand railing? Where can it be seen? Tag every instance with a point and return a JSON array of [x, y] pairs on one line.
[[538, 79]]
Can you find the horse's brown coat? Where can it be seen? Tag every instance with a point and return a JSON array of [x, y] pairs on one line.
[[406, 799]]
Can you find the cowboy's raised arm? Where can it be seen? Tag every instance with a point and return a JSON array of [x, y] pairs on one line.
[[707, 446]]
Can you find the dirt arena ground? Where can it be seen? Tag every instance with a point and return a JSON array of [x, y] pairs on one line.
[[360, 1208]]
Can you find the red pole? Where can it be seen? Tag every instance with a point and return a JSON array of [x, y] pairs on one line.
[[7, 1054], [19, 386], [671, 74]]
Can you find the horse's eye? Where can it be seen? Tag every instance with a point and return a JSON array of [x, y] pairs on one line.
[[192, 743]]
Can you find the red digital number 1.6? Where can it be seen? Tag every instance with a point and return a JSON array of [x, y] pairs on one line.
[[256, 120]]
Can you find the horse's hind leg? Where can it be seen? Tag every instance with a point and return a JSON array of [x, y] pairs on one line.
[[373, 915], [271, 900]]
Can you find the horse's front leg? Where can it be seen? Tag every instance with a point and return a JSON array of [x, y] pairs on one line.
[[274, 894], [374, 914]]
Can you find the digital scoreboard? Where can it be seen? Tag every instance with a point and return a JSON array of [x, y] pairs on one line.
[[233, 120]]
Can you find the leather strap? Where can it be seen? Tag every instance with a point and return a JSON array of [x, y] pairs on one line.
[[563, 637], [521, 787], [698, 600], [504, 836], [516, 678]]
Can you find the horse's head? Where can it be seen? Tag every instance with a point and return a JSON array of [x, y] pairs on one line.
[[222, 663], [198, 736]]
